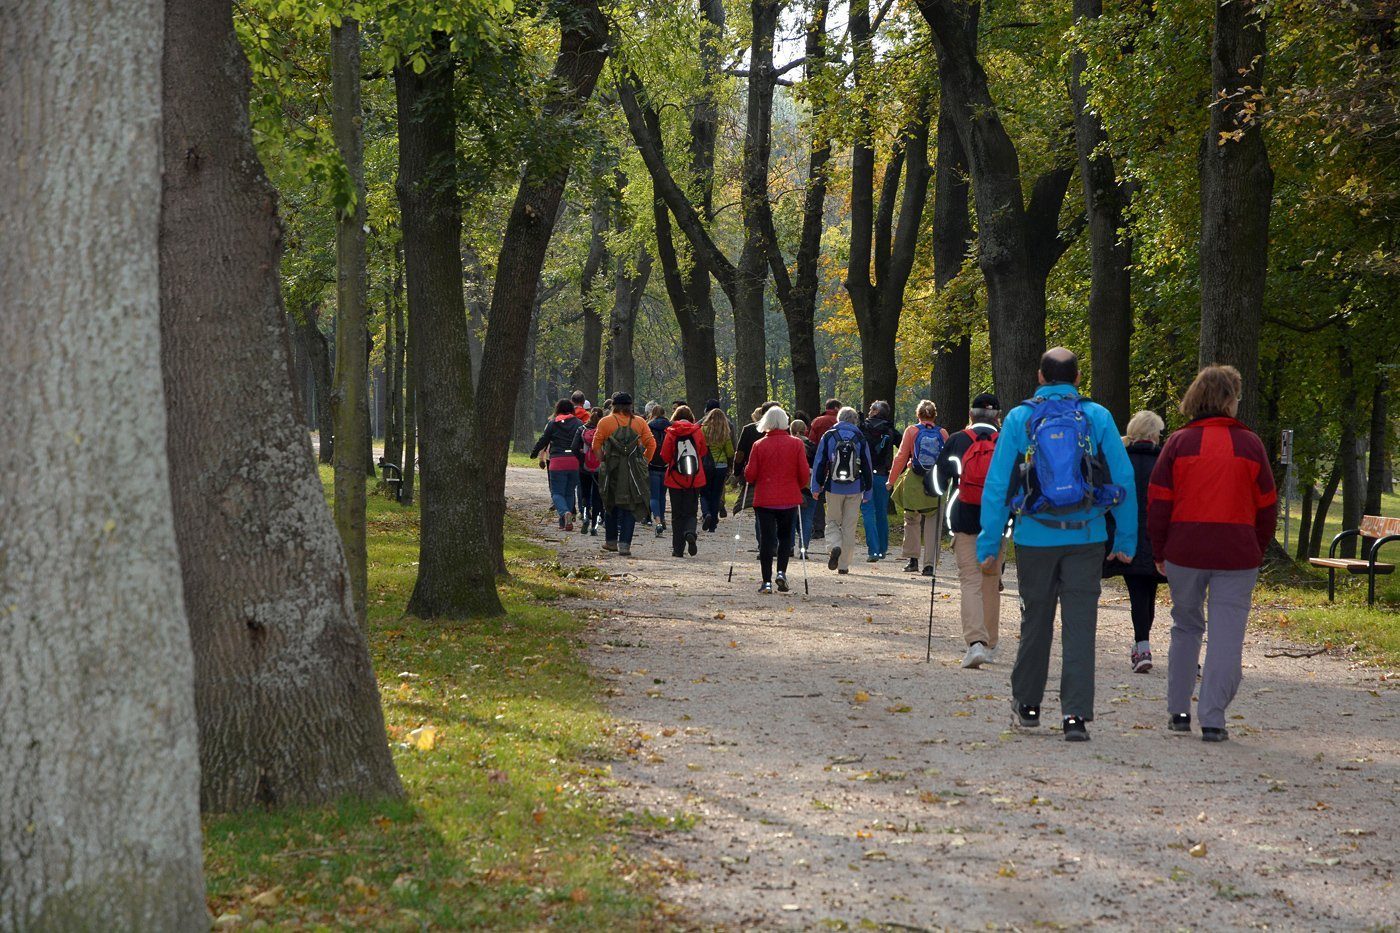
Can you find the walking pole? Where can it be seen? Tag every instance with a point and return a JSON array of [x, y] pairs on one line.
[[734, 553], [933, 583], [806, 590]]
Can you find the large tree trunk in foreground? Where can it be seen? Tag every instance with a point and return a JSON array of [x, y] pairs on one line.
[[456, 576], [288, 707], [582, 50], [952, 238], [99, 780], [1110, 247], [350, 397], [1236, 192]]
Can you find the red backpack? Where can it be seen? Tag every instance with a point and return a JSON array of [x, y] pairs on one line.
[[975, 461], [591, 461]]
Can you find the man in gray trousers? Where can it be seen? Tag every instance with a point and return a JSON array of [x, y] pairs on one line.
[[1059, 547]]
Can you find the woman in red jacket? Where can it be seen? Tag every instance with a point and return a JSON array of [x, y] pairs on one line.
[[683, 451], [1211, 512], [778, 471]]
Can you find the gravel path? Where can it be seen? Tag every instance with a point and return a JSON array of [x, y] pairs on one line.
[[805, 768]]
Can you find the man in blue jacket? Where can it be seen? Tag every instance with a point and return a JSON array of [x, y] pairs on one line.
[[846, 481], [1059, 557]]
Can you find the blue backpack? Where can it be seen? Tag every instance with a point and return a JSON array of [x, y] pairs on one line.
[[928, 445], [1063, 473]]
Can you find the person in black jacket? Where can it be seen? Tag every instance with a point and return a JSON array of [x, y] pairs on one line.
[[563, 437], [657, 467], [967, 456], [1143, 441], [883, 440]]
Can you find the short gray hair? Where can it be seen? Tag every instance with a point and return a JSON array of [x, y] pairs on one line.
[[848, 415], [774, 419], [1145, 426]]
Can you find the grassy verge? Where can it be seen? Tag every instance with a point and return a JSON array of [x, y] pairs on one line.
[[503, 826]]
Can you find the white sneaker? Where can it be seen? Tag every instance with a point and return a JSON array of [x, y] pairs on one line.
[[976, 656], [991, 655]]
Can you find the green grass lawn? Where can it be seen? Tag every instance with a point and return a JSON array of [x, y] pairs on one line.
[[504, 826], [1299, 607]]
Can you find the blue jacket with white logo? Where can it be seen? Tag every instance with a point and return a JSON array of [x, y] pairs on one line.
[[1011, 447]]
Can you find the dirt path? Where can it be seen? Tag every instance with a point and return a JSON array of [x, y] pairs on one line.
[[918, 808]]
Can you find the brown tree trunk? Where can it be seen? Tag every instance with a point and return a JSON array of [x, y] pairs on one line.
[[1236, 192], [456, 575], [1106, 200], [585, 378], [288, 707], [349, 395], [1305, 518], [318, 354], [1324, 505], [394, 368], [582, 51], [1353, 493], [410, 416], [1375, 458], [629, 285], [952, 238], [99, 819]]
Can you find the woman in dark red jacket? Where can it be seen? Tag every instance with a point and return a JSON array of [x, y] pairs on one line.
[[683, 451], [778, 471], [1211, 512]]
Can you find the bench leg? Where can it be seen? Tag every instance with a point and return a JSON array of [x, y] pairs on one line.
[[1371, 589], [1331, 584]]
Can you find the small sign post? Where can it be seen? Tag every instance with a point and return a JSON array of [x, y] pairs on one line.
[[1286, 458]]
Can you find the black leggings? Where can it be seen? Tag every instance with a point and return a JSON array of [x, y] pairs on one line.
[[1142, 599], [774, 534]]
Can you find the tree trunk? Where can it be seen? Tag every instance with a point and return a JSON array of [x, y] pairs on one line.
[[1015, 286], [952, 238], [1110, 246], [456, 576], [99, 781], [526, 426], [1324, 505], [350, 393], [582, 51], [288, 707], [394, 432], [1305, 509], [1375, 458], [695, 315], [318, 353], [630, 284], [1236, 191], [1353, 492], [585, 378], [410, 414]]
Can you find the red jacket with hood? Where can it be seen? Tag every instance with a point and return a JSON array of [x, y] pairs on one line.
[[678, 430], [777, 468]]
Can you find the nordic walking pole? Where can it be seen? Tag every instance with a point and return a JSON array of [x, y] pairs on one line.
[[806, 590], [933, 583], [734, 554]]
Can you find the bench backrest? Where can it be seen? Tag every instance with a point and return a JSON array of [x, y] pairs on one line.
[[1378, 526]]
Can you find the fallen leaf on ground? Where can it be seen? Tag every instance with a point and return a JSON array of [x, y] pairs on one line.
[[1198, 850], [861, 696]]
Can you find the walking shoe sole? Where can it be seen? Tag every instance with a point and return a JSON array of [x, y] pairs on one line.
[[1219, 735], [1142, 667], [1076, 736], [690, 542], [833, 558], [782, 585]]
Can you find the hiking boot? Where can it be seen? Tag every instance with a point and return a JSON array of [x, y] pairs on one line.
[[1142, 658], [928, 570], [625, 550], [782, 582], [1214, 735], [1180, 722], [765, 589], [1075, 730], [610, 545], [912, 566], [976, 655], [690, 542], [833, 558], [1027, 717]]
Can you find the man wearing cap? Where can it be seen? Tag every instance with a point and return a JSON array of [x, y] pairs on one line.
[[981, 593], [620, 518]]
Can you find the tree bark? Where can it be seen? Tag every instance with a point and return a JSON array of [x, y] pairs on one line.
[[318, 353], [1352, 492], [1106, 200], [349, 396], [456, 576], [410, 414], [582, 51], [585, 378], [394, 367], [99, 781], [1324, 505], [952, 238], [1375, 458], [1236, 191], [629, 285], [1305, 510], [1015, 277], [288, 707]]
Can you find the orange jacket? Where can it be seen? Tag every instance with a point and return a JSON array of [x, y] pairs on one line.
[[612, 422]]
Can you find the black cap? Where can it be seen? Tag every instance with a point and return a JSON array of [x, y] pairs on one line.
[[712, 404], [622, 398], [988, 401]]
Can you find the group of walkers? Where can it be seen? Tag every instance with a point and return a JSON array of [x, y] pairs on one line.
[[1080, 502]]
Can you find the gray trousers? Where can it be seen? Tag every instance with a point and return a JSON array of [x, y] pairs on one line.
[[1068, 577], [1224, 596]]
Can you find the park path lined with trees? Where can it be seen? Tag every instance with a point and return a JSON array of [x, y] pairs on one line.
[[801, 764]]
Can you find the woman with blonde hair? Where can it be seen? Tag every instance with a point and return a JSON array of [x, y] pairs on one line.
[[919, 449], [1212, 509], [720, 440], [1143, 441]]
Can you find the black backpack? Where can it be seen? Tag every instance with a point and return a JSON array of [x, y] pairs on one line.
[[846, 461]]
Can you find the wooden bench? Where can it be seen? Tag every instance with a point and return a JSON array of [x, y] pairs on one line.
[[1383, 530]]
